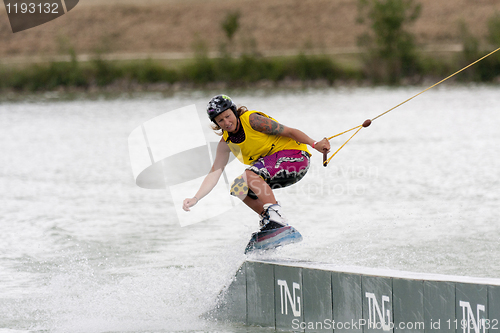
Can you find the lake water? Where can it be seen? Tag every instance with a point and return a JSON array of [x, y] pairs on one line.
[[83, 249]]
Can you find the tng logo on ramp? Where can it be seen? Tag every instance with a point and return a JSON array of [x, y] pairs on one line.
[[384, 315], [469, 320], [292, 298]]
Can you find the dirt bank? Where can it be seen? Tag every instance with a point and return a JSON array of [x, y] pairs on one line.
[[175, 26]]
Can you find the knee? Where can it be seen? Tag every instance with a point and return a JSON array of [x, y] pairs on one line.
[[248, 174], [251, 177]]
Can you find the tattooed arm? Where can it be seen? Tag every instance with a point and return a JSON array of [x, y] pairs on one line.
[[271, 127]]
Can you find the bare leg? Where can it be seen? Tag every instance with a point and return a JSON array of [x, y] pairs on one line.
[[265, 196], [260, 187], [255, 204]]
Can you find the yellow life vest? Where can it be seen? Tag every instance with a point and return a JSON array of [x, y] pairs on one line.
[[258, 144]]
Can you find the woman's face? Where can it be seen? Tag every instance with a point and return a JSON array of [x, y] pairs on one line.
[[227, 121]]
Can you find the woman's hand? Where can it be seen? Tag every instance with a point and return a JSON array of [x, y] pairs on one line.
[[188, 203], [322, 146]]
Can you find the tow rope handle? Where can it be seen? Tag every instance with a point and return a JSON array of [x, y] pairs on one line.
[[326, 160]]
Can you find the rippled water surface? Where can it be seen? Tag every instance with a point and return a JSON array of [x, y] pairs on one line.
[[83, 249]]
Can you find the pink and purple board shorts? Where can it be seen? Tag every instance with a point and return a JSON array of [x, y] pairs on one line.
[[280, 169]]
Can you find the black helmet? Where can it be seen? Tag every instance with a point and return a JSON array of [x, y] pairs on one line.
[[219, 104]]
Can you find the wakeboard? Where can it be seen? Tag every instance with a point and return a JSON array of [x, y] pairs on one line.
[[271, 239]]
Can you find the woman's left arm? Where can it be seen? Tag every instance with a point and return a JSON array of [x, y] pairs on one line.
[[271, 127]]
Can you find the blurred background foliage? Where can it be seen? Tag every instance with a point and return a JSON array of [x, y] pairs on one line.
[[390, 55]]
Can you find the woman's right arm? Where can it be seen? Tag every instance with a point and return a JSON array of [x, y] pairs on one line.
[[221, 159]]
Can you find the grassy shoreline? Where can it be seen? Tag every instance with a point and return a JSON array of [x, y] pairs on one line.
[[387, 54], [244, 71]]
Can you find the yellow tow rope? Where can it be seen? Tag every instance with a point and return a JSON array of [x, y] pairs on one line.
[[367, 122]]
